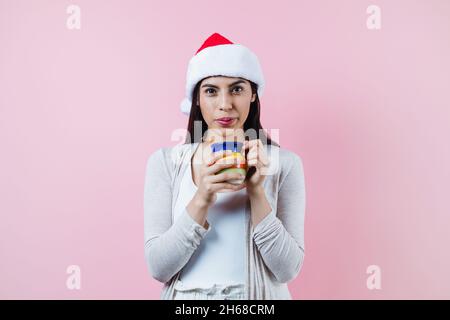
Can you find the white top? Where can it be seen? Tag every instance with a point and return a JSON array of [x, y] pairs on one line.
[[220, 258]]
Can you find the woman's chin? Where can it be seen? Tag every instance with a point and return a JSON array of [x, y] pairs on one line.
[[229, 131], [217, 134]]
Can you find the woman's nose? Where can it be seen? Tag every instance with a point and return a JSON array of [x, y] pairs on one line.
[[225, 102]]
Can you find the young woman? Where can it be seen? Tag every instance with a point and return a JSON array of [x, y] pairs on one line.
[[206, 238]]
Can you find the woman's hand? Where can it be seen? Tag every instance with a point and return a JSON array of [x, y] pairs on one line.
[[210, 183], [258, 159]]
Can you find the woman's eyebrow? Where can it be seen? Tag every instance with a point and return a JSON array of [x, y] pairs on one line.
[[213, 86], [236, 82]]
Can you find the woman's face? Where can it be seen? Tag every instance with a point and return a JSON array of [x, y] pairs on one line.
[[225, 102]]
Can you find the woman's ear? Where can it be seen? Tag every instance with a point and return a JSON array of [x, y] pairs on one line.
[[253, 97]]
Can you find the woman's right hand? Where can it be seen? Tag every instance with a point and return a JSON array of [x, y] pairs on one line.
[[210, 183]]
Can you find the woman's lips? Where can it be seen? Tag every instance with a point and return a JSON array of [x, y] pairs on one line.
[[226, 121]]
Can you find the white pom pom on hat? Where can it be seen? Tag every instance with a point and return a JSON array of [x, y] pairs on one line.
[[218, 56]]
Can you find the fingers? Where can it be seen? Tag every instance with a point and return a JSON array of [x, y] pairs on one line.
[[213, 157], [248, 144], [252, 162], [236, 158], [256, 155], [253, 154], [253, 146], [220, 182], [225, 176], [217, 167]]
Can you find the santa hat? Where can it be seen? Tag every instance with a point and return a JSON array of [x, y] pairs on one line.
[[219, 56]]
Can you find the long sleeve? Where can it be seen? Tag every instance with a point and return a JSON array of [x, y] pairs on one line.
[[168, 247], [280, 235]]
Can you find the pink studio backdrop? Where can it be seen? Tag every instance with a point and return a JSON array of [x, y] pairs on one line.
[[367, 110]]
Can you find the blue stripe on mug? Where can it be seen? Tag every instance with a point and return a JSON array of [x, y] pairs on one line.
[[227, 145]]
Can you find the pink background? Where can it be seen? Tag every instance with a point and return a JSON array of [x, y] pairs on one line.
[[368, 111]]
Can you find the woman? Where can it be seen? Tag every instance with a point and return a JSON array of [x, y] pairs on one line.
[[206, 238]]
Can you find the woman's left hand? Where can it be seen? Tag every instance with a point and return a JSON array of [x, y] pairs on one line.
[[256, 157]]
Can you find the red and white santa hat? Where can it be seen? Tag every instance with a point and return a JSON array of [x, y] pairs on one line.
[[219, 56]]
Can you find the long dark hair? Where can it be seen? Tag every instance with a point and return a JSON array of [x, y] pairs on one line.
[[252, 121]]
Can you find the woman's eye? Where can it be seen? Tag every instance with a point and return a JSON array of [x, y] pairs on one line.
[[237, 89], [209, 91]]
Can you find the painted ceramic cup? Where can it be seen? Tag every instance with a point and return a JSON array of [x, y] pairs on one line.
[[240, 165]]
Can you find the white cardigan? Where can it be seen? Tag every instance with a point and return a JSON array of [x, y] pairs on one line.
[[275, 247]]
